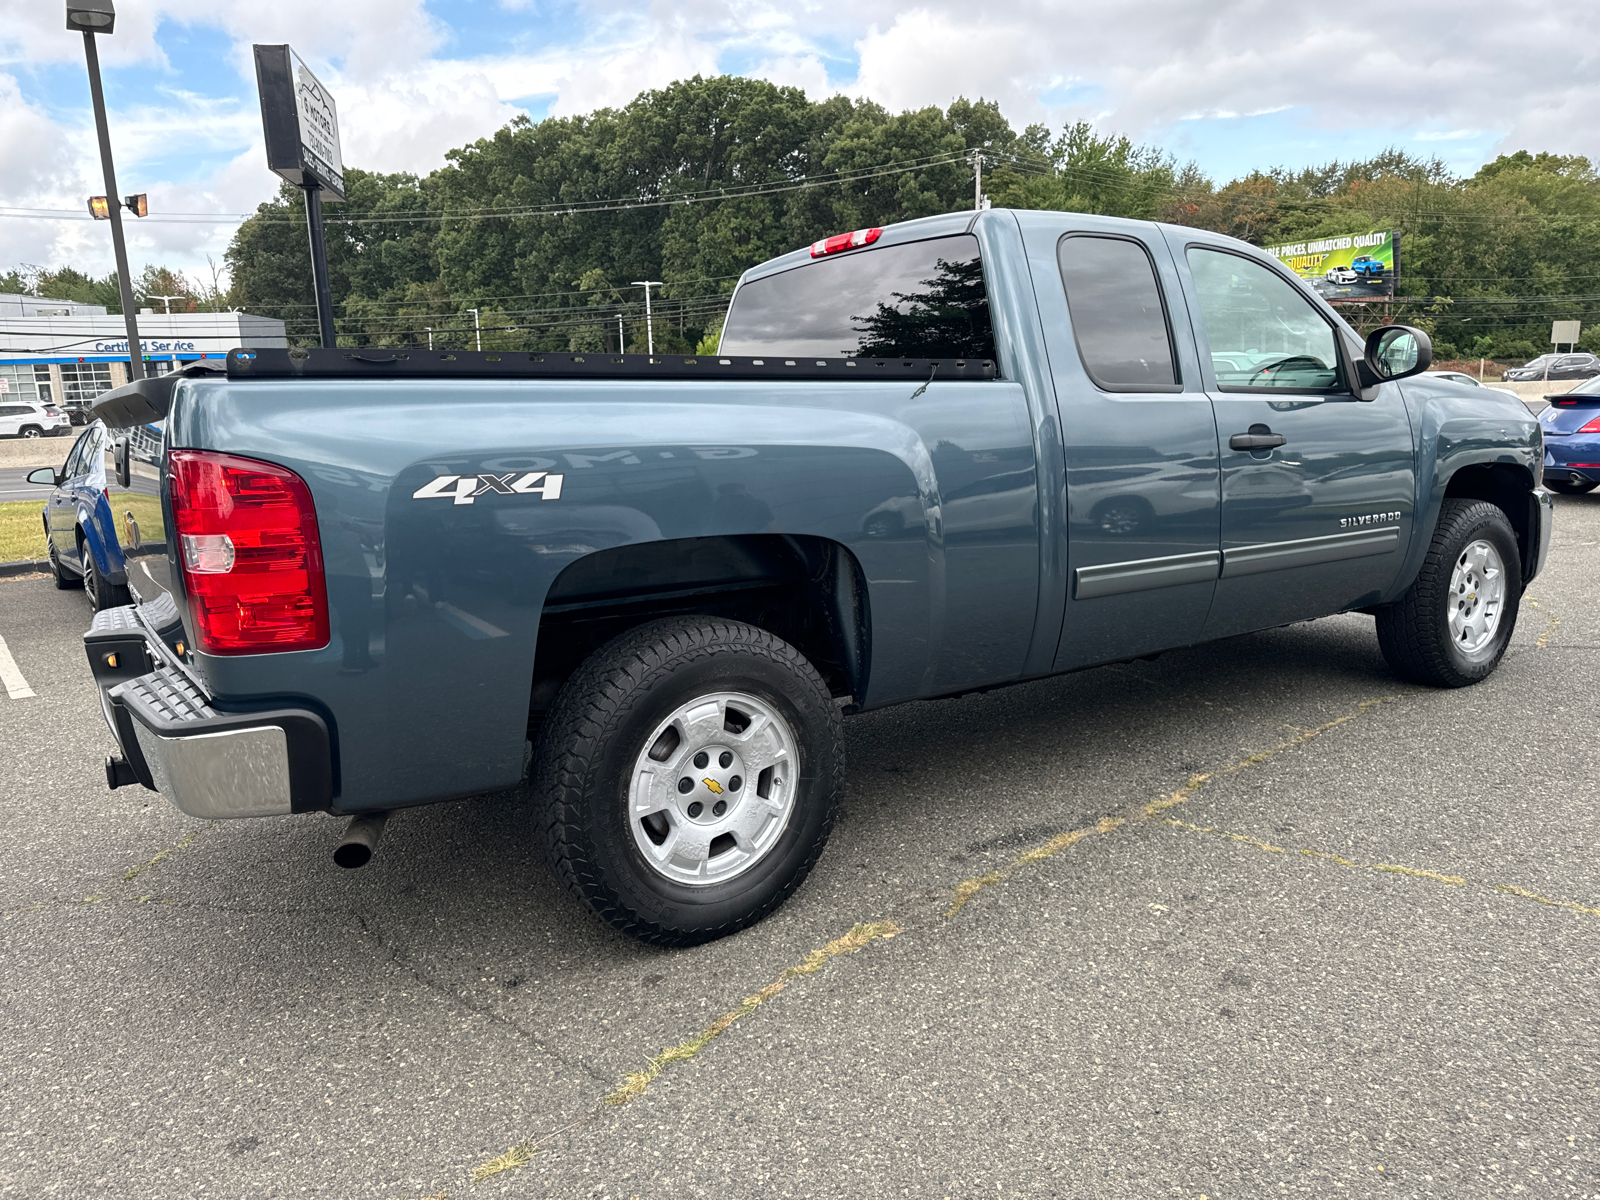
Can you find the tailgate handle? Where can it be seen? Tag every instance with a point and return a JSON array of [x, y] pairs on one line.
[[1255, 441]]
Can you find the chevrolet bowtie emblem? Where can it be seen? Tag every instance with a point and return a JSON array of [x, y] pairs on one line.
[[713, 785]]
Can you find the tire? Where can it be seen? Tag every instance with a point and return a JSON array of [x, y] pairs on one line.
[[30, 431], [624, 710], [1568, 488], [64, 581], [1459, 582], [103, 594]]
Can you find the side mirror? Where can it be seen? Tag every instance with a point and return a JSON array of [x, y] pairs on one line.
[[119, 458], [1395, 352], [44, 475]]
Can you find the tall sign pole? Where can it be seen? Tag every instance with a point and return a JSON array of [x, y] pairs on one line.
[[95, 17], [301, 124]]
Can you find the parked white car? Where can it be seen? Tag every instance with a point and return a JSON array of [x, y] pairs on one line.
[[29, 419], [1463, 377]]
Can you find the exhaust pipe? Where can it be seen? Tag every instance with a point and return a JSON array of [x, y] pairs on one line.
[[360, 840]]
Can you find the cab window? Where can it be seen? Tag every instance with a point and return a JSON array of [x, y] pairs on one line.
[[1118, 317], [1264, 334]]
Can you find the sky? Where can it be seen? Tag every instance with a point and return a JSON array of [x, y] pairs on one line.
[[1231, 84]]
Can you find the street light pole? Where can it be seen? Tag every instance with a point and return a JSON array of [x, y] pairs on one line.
[[622, 342], [89, 17], [649, 324], [166, 301], [478, 328]]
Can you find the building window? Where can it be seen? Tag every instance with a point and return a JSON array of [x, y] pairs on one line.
[[16, 382], [82, 382]]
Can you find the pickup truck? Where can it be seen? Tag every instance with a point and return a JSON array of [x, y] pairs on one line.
[[933, 458]]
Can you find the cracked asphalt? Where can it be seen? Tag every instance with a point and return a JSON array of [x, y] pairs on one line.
[[1228, 929]]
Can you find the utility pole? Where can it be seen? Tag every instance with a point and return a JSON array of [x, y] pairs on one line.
[[649, 326], [977, 180], [622, 341], [92, 17], [429, 328], [477, 327]]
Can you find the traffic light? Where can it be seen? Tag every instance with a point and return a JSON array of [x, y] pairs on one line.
[[100, 208]]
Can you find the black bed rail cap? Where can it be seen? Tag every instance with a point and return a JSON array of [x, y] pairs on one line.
[[148, 399], [406, 363]]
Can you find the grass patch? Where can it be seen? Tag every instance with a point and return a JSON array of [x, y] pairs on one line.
[[22, 529], [22, 525]]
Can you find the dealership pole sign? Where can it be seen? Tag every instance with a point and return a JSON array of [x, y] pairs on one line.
[[301, 125], [1348, 268]]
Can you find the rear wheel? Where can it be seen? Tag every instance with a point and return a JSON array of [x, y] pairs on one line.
[[1452, 626], [30, 431], [690, 771]]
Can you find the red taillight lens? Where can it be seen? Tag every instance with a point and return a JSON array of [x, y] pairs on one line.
[[845, 241], [1592, 427], [251, 557]]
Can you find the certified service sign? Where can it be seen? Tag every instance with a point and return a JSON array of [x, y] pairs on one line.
[[300, 121]]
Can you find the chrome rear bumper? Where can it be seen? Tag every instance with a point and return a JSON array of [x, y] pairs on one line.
[[210, 763]]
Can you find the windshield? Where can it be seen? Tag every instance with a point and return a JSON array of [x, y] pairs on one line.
[[913, 300]]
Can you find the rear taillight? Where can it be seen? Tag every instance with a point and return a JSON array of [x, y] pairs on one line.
[[845, 241], [1592, 427], [251, 557]]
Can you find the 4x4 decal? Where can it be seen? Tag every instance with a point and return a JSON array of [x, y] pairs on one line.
[[464, 489]]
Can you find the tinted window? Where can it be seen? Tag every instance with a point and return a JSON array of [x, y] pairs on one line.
[[1117, 313], [1264, 333], [915, 300]]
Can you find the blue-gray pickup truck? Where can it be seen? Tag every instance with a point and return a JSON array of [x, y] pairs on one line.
[[932, 458]]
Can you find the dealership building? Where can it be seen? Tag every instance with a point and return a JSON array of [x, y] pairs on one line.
[[63, 352]]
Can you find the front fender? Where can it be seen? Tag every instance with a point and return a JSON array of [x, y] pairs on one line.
[[1457, 427]]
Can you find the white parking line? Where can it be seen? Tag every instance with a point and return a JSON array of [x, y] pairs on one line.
[[16, 686]]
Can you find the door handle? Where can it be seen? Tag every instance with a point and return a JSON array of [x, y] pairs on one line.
[[1256, 441]]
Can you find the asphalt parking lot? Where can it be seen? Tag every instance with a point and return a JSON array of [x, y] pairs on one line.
[[1253, 919]]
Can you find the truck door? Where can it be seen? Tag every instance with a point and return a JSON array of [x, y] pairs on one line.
[[1140, 441], [1317, 485]]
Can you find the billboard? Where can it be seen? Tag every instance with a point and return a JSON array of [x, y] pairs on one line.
[[1351, 267]]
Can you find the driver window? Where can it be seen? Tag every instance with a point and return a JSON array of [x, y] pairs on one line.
[[1264, 334]]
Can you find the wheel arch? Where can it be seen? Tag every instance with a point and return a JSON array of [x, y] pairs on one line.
[[810, 591], [1510, 488]]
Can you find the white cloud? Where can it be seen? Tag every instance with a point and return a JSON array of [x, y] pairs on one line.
[[1138, 67]]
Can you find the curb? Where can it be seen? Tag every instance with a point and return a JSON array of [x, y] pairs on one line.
[[29, 567]]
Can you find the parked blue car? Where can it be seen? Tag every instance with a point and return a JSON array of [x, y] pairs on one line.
[[1572, 439], [103, 507]]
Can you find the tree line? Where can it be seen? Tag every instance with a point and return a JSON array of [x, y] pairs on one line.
[[544, 226]]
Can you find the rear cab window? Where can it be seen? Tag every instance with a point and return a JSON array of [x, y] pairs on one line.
[[924, 299], [1119, 317]]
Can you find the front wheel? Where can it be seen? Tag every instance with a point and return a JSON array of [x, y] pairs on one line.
[[690, 771], [103, 594], [1452, 626]]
